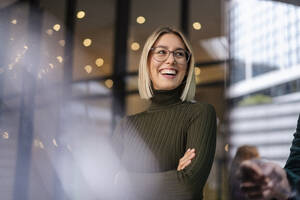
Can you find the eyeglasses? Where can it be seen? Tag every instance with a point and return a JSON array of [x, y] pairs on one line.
[[161, 54]]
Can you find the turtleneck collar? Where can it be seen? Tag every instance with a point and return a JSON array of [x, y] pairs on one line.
[[163, 99]]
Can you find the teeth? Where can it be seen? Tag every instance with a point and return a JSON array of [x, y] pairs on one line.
[[168, 71]]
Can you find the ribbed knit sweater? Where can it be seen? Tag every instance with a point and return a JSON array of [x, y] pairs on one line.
[[151, 143]]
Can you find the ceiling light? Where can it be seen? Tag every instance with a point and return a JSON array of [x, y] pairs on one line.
[[135, 46], [5, 135], [99, 62], [14, 21], [140, 19], [56, 27], [54, 142], [41, 145], [80, 14], [197, 26], [88, 68], [87, 42], [60, 59], [109, 83]]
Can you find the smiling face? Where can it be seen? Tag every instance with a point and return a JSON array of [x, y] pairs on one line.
[[168, 74]]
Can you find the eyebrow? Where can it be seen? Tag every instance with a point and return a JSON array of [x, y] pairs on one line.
[[167, 47]]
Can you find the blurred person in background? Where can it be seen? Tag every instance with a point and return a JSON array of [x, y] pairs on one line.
[[266, 180], [166, 151], [243, 153]]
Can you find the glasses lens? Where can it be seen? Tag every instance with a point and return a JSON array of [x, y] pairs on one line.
[[180, 56], [161, 54]]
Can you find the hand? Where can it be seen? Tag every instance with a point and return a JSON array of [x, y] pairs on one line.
[[186, 159], [263, 180]]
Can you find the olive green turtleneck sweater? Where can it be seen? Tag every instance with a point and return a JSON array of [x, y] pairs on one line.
[[151, 143]]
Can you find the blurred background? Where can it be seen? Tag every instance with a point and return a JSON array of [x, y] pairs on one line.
[[68, 74]]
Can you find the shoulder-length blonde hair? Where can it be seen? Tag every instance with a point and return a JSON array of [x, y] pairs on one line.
[[144, 82]]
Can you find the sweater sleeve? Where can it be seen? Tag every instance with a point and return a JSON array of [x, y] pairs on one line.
[[187, 183], [292, 166]]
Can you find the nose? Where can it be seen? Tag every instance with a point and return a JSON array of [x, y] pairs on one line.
[[171, 58]]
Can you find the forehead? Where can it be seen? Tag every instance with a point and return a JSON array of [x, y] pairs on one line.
[[170, 40]]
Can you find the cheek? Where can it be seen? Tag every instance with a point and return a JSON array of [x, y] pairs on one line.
[[152, 67]]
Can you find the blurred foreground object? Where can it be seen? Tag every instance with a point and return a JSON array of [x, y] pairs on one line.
[[243, 153], [264, 180], [268, 180]]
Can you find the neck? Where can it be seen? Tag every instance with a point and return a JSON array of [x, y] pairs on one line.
[[165, 98]]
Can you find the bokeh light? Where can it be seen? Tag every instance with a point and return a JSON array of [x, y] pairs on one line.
[[140, 20], [197, 26], [109, 83], [99, 62], [135, 46], [80, 14], [87, 42]]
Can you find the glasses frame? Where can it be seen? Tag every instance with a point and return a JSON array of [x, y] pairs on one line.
[[187, 53]]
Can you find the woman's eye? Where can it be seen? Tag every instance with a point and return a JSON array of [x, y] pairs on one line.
[[162, 52], [179, 53]]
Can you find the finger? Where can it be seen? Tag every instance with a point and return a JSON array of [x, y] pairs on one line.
[[187, 157], [188, 153], [185, 162], [189, 150], [184, 165]]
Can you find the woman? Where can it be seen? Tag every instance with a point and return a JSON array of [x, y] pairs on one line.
[[167, 151]]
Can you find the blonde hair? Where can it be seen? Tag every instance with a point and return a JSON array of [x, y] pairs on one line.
[[144, 82]]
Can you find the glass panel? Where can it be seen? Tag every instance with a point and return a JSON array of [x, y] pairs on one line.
[[155, 15], [13, 62], [93, 42], [210, 28], [264, 34]]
